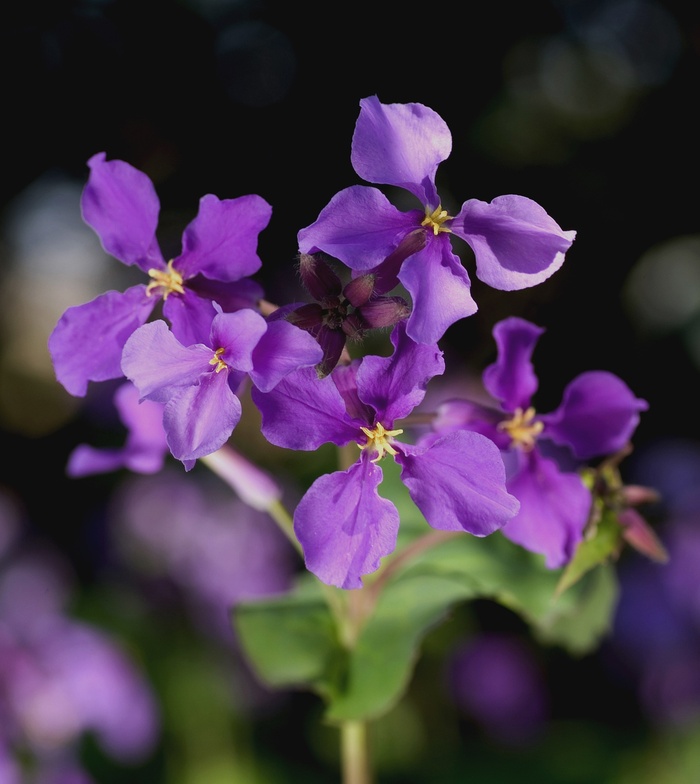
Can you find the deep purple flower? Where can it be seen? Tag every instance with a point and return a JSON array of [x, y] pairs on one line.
[[344, 526], [198, 384], [219, 252], [515, 242], [597, 416]]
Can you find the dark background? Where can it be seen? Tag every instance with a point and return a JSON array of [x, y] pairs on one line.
[[589, 108]]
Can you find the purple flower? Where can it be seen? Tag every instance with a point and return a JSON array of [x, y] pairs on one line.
[[219, 252], [515, 242], [495, 679], [60, 678], [344, 526], [145, 448], [198, 383], [597, 416]]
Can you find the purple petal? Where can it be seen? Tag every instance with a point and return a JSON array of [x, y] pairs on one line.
[[440, 290], [199, 419], [282, 349], [86, 343], [145, 447], [459, 483], [344, 526], [516, 243], [120, 203], [359, 226], [231, 295], [400, 144], [554, 509], [511, 378], [458, 414], [190, 317], [222, 241], [597, 416], [158, 364], [395, 385], [238, 334], [304, 411]]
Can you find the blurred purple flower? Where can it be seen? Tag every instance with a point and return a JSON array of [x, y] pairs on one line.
[[656, 633], [61, 678], [218, 550], [495, 680]]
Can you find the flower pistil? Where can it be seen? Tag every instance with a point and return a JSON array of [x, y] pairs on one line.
[[168, 280], [379, 441], [435, 219], [521, 428], [217, 361]]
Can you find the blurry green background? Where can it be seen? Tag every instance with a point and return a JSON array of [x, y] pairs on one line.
[[589, 108]]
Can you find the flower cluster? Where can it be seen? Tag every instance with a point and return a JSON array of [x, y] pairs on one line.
[[479, 469]]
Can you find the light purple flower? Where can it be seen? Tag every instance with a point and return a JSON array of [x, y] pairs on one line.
[[597, 416], [145, 447], [344, 526], [198, 383], [60, 678], [515, 242], [219, 253]]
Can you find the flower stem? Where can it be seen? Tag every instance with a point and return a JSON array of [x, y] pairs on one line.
[[354, 756]]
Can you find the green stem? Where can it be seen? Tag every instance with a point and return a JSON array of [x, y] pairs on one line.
[[354, 754]]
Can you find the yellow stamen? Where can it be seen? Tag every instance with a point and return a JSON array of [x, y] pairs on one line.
[[435, 219], [521, 429], [168, 280], [378, 440], [216, 360]]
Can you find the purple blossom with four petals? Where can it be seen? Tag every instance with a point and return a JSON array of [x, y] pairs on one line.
[[198, 384], [597, 416], [515, 242], [344, 526], [219, 252]]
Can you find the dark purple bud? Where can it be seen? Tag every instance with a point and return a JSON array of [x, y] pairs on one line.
[[359, 290], [332, 341], [354, 326], [385, 312], [308, 317], [318, 278], [386, 272]]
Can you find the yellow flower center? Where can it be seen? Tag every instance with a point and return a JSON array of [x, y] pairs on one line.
[[168, 281], [435, 219], [378, 440], [216, 360], [521, 429]]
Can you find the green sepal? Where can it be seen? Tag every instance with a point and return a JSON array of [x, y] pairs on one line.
[[598, 546]]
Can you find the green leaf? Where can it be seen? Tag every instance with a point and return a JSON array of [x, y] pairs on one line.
[[597, 548], [580, 618], [381, 664], [291, 640]]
